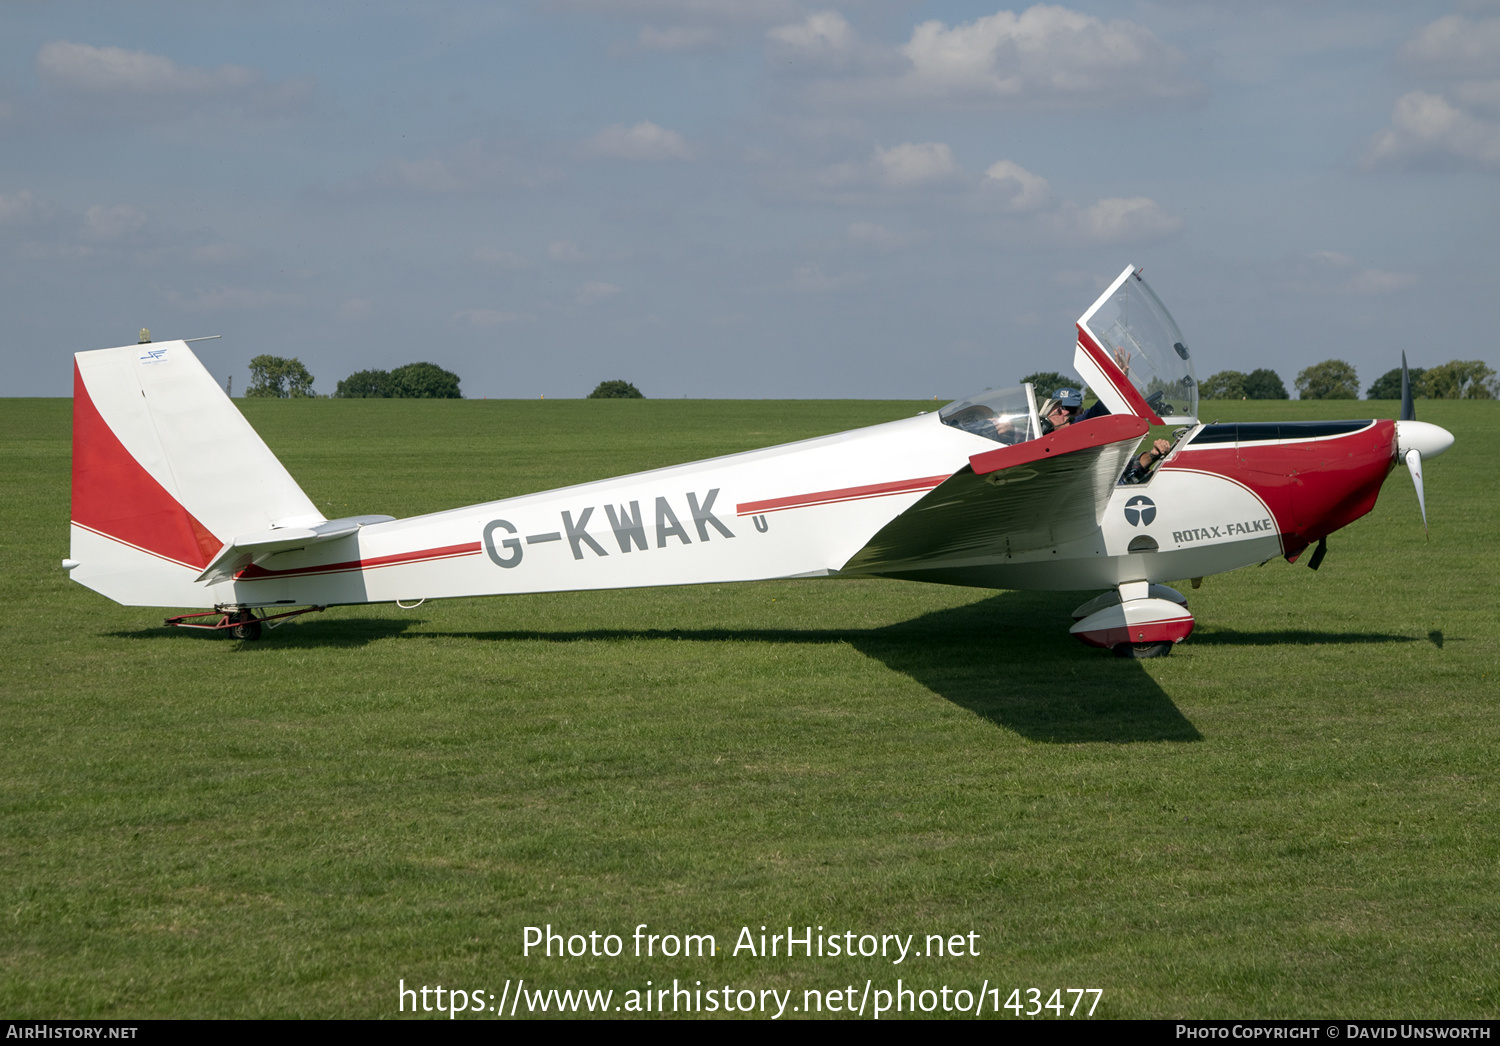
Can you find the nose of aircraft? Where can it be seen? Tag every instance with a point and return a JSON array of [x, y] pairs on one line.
[[1426, 439]]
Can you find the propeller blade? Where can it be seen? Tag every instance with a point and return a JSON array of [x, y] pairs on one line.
[[1318, 554], [1414, 466], [1408, 408]]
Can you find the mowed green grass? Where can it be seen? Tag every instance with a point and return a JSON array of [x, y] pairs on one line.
[[1295, 814]]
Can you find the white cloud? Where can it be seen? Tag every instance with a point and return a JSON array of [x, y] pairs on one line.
[[724, 11], [591, 293], [501, 259], [1428, 128], [355, 309], [811, 279], [567, 252], [1047, 56], [1115, 221], [1330, 272], [821, 36], [1455, 46], [912, 164], [490, 317], [113, 223], [1483, 95], [1377, 281], [1027, 191], [870, 236], [678, 38], [117, 77], [644, 141], [221, 298], [216, 253], [908, 166], [23, 208], [475, 166], [425, 175], [1448, 129]]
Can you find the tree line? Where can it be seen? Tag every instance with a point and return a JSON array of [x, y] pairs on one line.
[[1329, 380], [278, 377]]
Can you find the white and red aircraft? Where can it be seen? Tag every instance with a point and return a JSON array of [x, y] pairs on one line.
[[980, 493]]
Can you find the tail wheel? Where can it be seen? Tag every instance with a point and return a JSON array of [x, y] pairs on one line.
[[1141, 651], [246, 625]]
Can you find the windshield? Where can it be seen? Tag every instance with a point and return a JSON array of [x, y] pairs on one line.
[[1003, 415], [1135, 329]]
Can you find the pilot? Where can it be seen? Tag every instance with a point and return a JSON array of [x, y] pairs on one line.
[[1061, 409], [1064, 409]]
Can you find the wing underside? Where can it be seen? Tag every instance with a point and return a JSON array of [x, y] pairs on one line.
[[1020, 499]]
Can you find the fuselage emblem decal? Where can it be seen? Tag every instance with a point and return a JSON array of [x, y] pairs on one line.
[[1140, 509]]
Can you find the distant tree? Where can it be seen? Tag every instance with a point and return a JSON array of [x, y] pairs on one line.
[[413, 381], [1462, 379], [616, 390], [425, 381], [1265, 384], [1329, 380], [1388, 385], [1046, 382], [279, 378], [366, 384], [1225, 385]]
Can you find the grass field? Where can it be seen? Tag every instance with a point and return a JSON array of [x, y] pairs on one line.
[[1294, 815]]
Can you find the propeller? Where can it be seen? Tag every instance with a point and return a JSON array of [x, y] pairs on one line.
[[1414, 466], [1417, 440], [1408, 408]]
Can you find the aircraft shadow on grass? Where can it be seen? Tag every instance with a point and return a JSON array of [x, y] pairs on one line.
[[329, 632], [1002, 658], [1303, 637]]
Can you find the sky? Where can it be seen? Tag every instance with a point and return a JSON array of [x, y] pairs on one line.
[[744, 198]]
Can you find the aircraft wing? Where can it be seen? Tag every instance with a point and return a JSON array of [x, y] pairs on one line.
[[1030, 496]]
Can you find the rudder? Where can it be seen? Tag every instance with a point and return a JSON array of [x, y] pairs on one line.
[[166, 471]]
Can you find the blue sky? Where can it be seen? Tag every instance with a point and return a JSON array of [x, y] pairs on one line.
[[744, 198]]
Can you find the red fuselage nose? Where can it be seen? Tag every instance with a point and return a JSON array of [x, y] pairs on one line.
[[1314, 477]]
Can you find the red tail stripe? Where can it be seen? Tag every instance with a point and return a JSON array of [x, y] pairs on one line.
[[115, 496], [828, 497]]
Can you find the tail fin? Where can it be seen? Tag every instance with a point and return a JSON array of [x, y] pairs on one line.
[[166, 472]]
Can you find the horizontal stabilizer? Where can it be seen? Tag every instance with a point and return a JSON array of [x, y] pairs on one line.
[[255, 548]]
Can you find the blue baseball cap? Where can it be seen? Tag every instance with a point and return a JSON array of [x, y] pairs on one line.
[[1068, 398]]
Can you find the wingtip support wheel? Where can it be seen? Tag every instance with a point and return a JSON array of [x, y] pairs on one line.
[[1142, 651], [246, 626]]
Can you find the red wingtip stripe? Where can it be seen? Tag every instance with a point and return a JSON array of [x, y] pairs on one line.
[[115, 496], [1081, 435]]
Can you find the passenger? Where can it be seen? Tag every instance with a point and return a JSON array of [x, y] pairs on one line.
[[1139, 470]]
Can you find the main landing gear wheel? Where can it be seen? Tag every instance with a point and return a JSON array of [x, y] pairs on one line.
[[1141, 651], [246, 625]]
